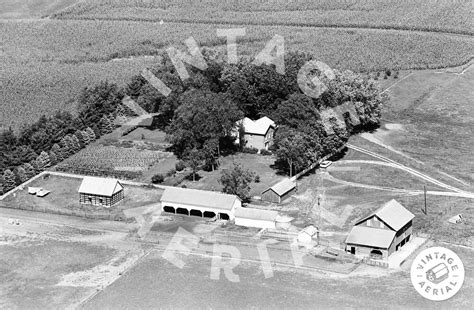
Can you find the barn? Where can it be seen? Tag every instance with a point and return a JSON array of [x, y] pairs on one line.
[[194, 202], [280, 191], [102, 192], [382, 232], [252, 217]]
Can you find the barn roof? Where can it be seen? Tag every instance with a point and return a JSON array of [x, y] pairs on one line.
[[282, 187], [371, 237], [100, 186], [309, 230], [256, 214], [195, 197], [393, 214], [258, 127]]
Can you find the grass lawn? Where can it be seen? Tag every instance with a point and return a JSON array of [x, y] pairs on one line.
[[437, 117], [64, 199], [260, 165]]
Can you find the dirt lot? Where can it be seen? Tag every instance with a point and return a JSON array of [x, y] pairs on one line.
[[45, 266], [191, 287]]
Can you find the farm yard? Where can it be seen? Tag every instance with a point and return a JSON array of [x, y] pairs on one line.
[[415, 147], [64, 199]]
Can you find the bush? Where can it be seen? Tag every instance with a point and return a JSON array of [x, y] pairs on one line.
[[249, 150], [265, 152], [171, 173], [180, 165], [257, 179], [395, 76], [157, 179], [388, 72]]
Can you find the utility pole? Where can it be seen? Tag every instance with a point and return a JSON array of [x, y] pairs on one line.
[[426, 210]]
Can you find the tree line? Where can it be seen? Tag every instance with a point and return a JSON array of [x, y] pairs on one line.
[[200, 114], [54, 138]]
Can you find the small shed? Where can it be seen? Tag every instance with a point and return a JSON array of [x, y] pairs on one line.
[[252, 217], [306, 234], [100, 191], [280, 191]]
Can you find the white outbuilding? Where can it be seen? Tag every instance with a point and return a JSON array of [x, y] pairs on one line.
[[194, 202], [252, 217]]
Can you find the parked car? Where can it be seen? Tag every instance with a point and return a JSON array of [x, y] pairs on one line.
[[325, 163]]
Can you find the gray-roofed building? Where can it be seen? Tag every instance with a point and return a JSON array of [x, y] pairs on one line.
[[253, 217], [280, 191], [382, 232], [100, 191], [199, 203]]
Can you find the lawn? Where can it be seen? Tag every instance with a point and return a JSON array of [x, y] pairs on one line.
[[260, 165], [64, 199]]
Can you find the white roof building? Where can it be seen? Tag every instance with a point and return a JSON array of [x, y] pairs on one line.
[[100, 186], [199, 203]]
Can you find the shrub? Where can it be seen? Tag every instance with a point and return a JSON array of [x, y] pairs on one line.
[[395, 76], [388, 72], [257, 179], [157, 178], [265, 152], [171, 172], [180, 165], [250, 150]]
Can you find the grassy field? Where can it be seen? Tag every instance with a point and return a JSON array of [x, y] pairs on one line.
[[431, 15], [64, 199]]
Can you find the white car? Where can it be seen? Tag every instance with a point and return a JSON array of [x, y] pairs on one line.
[[325, 163]]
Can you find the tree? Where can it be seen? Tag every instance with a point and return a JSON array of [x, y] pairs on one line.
[[21, 174], [236, 182], [85, 137], [202, 116], [157, 178], [53, 158], [43, 161], [60, 156], [194, 158], [75, 143], [97, 101], [8, 180], [80, 138], [29, 170], [91, 134], [295, 148]]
